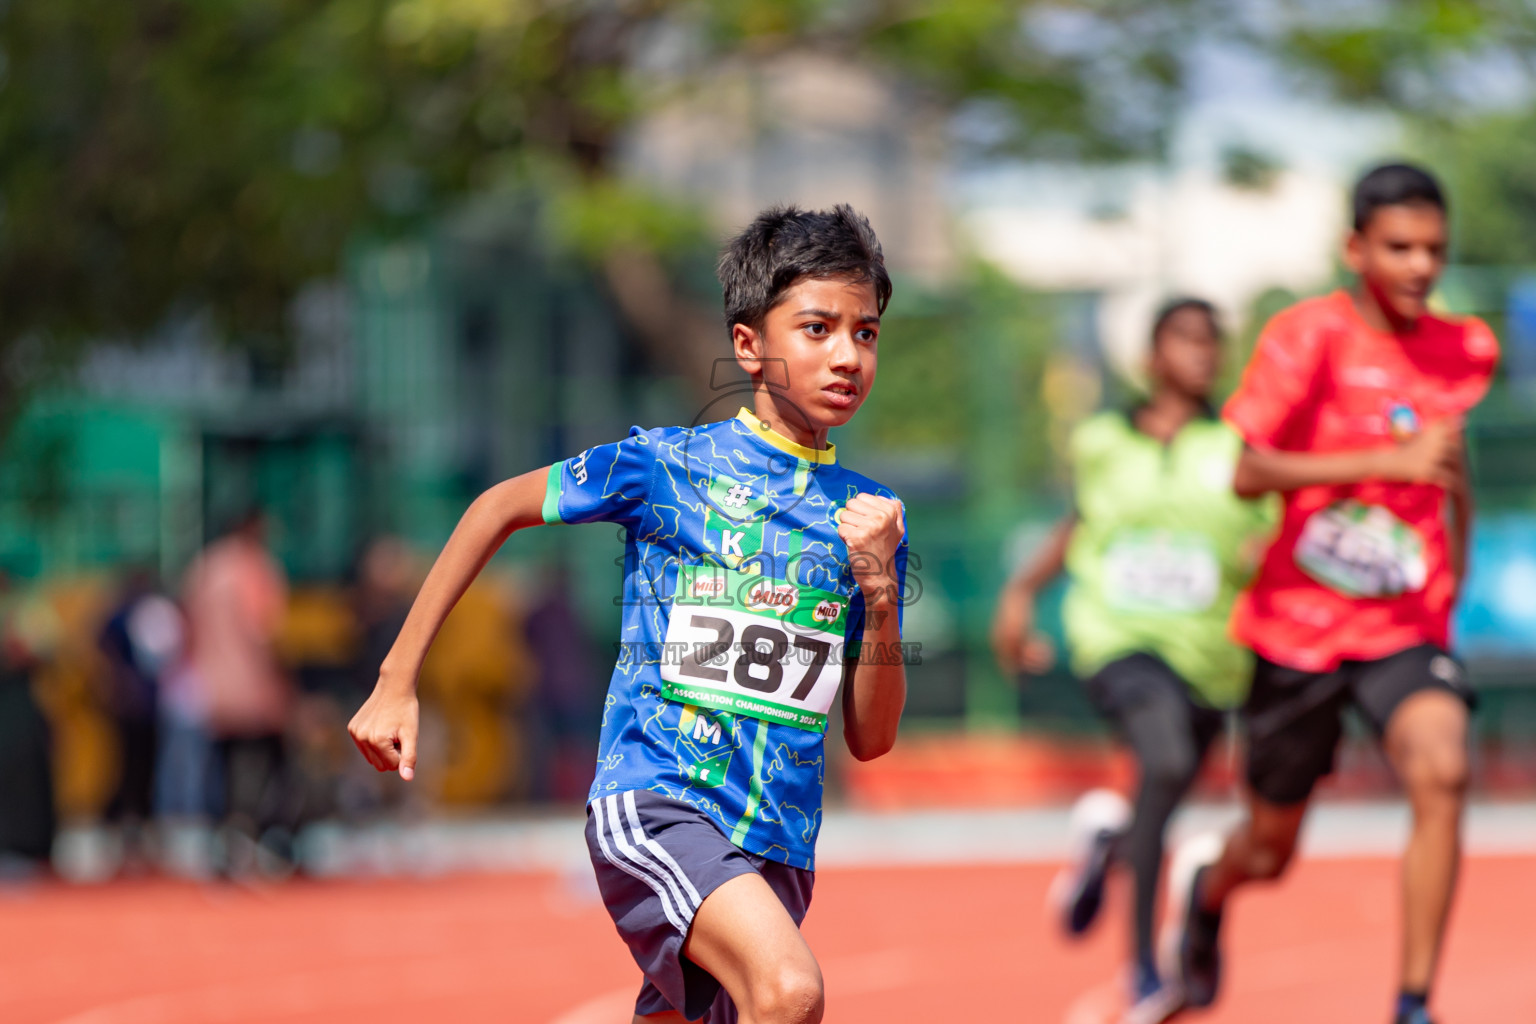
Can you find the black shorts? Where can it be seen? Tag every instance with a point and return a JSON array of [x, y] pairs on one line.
[[1155, 714], [1294, 719], [1142, 679], [657, 860]]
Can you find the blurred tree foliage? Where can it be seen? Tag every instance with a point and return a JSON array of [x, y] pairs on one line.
[[1431, 58], [1464, 71], [1489, 163], [210, 157]]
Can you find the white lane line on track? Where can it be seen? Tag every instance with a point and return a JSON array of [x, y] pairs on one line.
[[608, 1008], [856, 974], [1099, 1005], [347, 993]]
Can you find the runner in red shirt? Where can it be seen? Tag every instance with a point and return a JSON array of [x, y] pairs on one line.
[[1351, 408]]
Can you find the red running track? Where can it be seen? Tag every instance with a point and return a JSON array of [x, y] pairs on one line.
[[896, 945]]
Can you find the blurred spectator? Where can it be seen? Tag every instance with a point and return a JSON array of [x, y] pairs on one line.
[[563, 719], [185, 776], [319, 643], [235, 596], [471, 689], [386, 584], [28, 821], [387, 577], [141, 640]]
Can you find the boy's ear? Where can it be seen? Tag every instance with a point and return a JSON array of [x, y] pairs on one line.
[[1354, 251], [748, 344]]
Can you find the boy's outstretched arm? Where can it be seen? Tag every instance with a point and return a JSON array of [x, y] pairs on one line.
[[1432, 456], [876, 690], [1015, 643], [384, 728]]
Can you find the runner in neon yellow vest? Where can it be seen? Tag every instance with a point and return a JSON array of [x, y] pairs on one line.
[[1156, 549]]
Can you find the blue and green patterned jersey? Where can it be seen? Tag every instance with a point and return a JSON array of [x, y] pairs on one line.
[[739, 610]]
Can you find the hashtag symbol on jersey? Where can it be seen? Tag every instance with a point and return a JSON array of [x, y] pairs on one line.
[[737, 496]]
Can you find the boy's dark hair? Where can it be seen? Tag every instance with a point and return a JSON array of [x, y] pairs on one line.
[[1394, 185], [1178, 306], [785, 245]]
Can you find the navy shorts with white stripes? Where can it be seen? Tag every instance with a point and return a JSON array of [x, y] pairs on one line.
[[657, 859]]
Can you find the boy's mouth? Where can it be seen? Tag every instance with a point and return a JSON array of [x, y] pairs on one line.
[[841, 394]]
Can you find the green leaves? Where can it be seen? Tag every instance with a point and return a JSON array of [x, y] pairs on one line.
[[1408, 53], [217, 155], [1490, 167]]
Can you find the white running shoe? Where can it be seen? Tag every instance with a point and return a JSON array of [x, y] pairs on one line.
[[1099, 818], [1190, 943]]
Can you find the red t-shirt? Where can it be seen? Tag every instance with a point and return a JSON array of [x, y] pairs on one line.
[[1359, 571]]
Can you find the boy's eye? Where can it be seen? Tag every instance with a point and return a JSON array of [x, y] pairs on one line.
[[866, 334], [816, 328]]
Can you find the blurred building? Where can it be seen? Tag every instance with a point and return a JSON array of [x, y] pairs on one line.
[[806, 130], [418, 381], [1134, 236], [1251, 197]]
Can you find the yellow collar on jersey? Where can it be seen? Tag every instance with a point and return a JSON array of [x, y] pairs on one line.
[[821, 456]]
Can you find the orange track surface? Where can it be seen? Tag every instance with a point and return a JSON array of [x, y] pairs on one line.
[[896, 945]]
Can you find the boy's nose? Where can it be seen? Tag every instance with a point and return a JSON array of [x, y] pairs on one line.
[[843, 353], [1423, 261]]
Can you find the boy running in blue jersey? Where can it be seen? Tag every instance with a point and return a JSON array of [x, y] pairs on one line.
[[760, 577]]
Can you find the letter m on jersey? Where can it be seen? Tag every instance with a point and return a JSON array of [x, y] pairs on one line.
[[706, 730]]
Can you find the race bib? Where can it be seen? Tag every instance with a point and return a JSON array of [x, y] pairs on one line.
[[1161, 571], [1361, 551], [754, 646]]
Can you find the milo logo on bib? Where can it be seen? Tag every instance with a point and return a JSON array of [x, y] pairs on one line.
[[708, 586], [769, 597], [1361, 551], [827, 611]]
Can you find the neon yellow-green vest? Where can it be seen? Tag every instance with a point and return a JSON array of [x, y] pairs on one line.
[[1161, 548]]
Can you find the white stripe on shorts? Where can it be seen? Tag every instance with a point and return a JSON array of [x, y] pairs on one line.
[[658, 850], [623, 865], [639, 854]]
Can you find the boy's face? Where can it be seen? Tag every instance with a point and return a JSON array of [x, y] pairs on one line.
[[1187, 354], [823, 336], [1399, 255]]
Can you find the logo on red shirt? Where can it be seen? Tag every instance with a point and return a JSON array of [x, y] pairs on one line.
[[1402, 421]]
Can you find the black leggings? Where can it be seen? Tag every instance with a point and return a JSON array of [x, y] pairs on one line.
[[1150, 707]]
